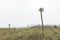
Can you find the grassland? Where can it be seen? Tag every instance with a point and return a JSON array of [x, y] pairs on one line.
[[33, 33]]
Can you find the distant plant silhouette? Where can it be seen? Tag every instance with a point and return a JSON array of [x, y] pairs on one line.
[[41, 10], [9, 25]]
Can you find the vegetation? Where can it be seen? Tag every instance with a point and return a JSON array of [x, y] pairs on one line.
[[32, 33]]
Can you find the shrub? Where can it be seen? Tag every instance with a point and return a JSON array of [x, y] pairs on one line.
[[55, 26]]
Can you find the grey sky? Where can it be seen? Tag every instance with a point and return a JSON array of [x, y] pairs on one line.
[[25, 12]]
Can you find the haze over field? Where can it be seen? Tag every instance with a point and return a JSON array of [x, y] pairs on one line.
[[25, 12]]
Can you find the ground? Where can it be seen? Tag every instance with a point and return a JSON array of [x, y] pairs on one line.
[[33, 33]]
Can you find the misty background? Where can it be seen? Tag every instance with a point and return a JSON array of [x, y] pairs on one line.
[[20, 13]]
